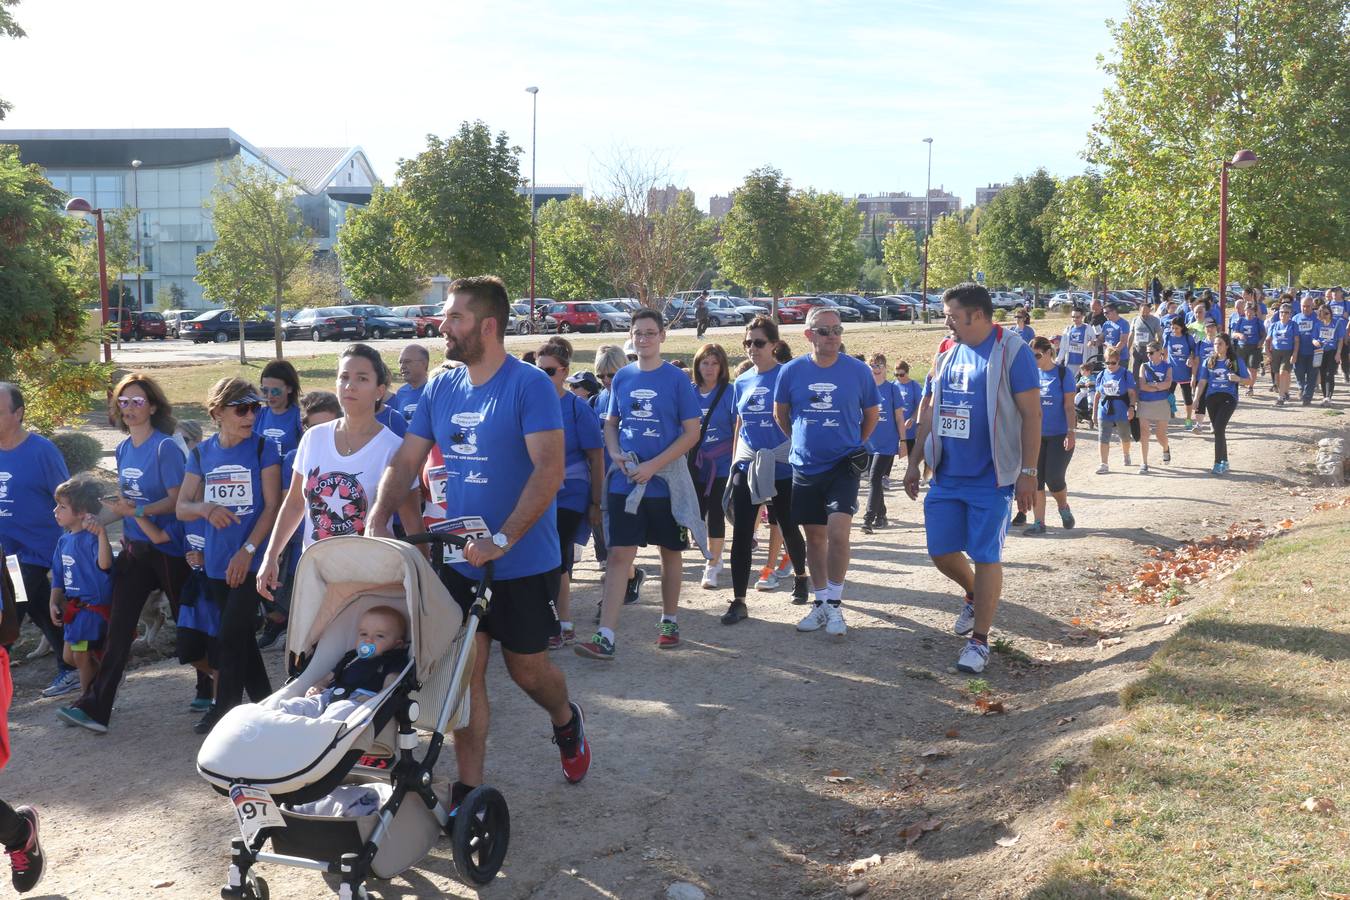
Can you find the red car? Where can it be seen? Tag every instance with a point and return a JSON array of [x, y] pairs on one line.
[[137, 326], [788, 314], [426, 317]]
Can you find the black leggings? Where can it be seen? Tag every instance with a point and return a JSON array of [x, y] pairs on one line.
[[1328, 373], [241, 662], [1220, 408], [879, 470], [14, 828], [710, 505], [745, 514], [1185, 391]]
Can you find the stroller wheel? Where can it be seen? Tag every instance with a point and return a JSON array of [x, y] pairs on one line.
[[253, 888], [481, 834]]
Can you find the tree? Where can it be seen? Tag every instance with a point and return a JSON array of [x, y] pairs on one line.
[[839, 258], [1190, 85], [8, 28], [900, 251], [575, 249], [259, 235], [378, 260], [1330, 273], [119, 250], [465, 213], [874, 277], [769, 237], [951, 252], [315, 284], [1074, 230], [1012, 242]]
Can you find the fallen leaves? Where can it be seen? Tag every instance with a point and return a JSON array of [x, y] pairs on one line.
[[913, 832], [1010, 841], [858, 866], [1321, 806], [952, 733], [1308, 586], [988, 707], [837, 776], [1165, 576], [934, 753]]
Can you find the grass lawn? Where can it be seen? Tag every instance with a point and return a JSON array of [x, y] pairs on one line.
[[1232, 776]]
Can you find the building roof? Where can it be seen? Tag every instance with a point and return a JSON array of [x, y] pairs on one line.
[[313, 167]]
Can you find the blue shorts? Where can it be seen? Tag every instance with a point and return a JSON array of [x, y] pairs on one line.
[[975, 520]]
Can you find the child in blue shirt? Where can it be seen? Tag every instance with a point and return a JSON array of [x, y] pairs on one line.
[[81, 575]]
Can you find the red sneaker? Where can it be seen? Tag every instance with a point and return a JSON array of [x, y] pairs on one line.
[[669, 637], [573, 747]]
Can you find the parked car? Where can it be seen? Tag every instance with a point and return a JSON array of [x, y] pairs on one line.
[[325, 323], [589, 315], [1071, 299], [426, 318], [804, 304], [786, 315], [864, 307], [1006, 300], [683, 312], [174, 319], [380, 322], [222, 326], [898, 307], [520, 317], [137, 326]]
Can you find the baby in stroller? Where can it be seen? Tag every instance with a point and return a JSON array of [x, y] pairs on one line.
[[381, 651], [1085, 401]]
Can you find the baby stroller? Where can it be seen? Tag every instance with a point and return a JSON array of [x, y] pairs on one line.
[[269, 762]]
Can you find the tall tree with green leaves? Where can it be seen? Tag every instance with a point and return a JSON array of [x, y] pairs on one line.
[[900, 252], [378, 261], [1076, 235], [465, 211], [839, 225], [1012, 242], [8, 28], [259, 235], [769, 238], [951, 252], [1191, 84], [575, 249]]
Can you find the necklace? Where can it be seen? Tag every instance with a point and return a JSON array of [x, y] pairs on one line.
[[347, 438]]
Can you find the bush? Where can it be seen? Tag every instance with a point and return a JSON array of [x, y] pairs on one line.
[[1038, 313], [80, 451], [1000, 315]]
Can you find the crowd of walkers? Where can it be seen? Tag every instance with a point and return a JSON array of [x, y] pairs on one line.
[[535, 457]]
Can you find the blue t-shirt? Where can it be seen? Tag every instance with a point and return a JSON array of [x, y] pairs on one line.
[[282, 429], [581, 432], [1203, 348], [1026, 333], [392, 419], [1056, 382], [1305, 324], [911, 394], [1166, 320], [232, 478], [1217, 377], [405, 400], [968, 461], [651, 409], [1115, 331], [721, 425], [826, 409], [1180, 348], [1075, 342], [1113, 399], [1339, 309], [753, 397], [481, 431], [1328, 333], [885, 438], [1246, 332], [145, 474], [75, 569], [1282, 334], [29, 475], [1152, 374]]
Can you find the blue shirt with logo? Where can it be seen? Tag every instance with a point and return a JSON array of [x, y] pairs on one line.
[[1247, 331], [1075, 343], [1113, 399], [75, 568], [1328, 333], [1180, 348], [911, 395], [1305, 325], [405, 400], [826, 409], [1217, 379], [651, 409], [1056, 383], [1025, 332], [1282, 334], [232, 478], [29, 475], [1115, 331], [581, 432], [721, 425], [1152, 374], [885, 438], [481, 431], [752, 395], [282, 429], [145, 474]]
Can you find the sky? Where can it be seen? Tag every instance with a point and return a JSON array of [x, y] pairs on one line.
[[837, 94]]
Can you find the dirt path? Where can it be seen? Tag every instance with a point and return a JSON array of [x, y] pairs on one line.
[[711, 763]]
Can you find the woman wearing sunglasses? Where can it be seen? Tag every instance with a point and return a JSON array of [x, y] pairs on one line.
[[150, 467], [233, 481], [1219, 377], [1116, 406], [279, 418]]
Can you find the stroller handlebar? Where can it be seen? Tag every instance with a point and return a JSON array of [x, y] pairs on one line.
[[437, 537]]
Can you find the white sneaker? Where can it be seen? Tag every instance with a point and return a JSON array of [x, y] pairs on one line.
[[767, 582], [1144, 470], [965, 623], [41, 650], [710, 574], [834, 620], [1103, 469], [815, 618], [974, 657], [1199, 428], [1128, 463]]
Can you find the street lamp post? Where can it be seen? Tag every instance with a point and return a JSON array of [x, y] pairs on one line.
[[534, 157], [81, 207], [927, 226], [1243, 159], [136, 202]]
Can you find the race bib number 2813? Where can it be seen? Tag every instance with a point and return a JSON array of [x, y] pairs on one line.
[[954, 422]]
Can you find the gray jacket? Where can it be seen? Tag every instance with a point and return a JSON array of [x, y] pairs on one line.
[[683, 497], [759, 475]]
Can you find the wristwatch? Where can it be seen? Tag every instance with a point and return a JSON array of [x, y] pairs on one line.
[[140, 510], [250, 548], [501, 540], [1029, 471]]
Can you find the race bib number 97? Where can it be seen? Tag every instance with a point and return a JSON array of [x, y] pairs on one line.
[[954, 422]]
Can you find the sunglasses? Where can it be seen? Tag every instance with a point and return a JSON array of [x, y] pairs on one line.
[[876, 368], [1112, 362], [757, 343], [128, 402], [607, 377], [829, 330], [274, 391], [246, 409], [550, 371]]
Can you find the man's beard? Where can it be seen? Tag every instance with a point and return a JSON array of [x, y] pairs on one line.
[[468, 350]]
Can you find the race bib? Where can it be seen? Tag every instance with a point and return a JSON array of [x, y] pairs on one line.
[[255, 809], [473, 528], [1111, 388], [230, 486], [954, 422], [16, 576], [436, 482]]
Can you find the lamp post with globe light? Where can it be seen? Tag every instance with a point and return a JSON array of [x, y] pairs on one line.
[[534, 214], [927, 226], [1243, 159], [82, 208]]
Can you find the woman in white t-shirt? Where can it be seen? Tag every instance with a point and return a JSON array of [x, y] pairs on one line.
[[338, 465]]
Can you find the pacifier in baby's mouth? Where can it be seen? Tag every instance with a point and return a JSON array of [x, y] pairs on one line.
[[365, 649]]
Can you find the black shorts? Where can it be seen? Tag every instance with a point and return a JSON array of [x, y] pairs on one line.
[[1052, 463], [568, 521], [653, 523], [192, 646], [816, 497], [522, 615]]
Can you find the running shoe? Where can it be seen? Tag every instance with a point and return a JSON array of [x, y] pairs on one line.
[[630, 594], [1144, 469], [63, 684], [273, 636], [564, 638], [1128, 461], [1103, 469], [801, 591], [1190, 423], [209, 720], [668, 637], [573, 747], [814, 619], [1167, 456], [1034, 528], [73, 715], [200, 704], [598, 647], [784, 567], [881, 522], [768, 580], [27, 863], [1281, 401], [1200, 428], [974, 657], [1217, 470], [1019, 519], [710, 575], [1223, 466], [834, 620], [1066, 517], [965, 623], [866, 527], [736, 611]]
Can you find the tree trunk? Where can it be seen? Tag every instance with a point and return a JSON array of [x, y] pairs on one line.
[[276, 321], [243, 360]]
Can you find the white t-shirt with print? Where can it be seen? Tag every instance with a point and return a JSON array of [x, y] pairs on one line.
[[340, 490]]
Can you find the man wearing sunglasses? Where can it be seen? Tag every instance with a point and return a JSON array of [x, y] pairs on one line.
[[980, 431], [828, 403]]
